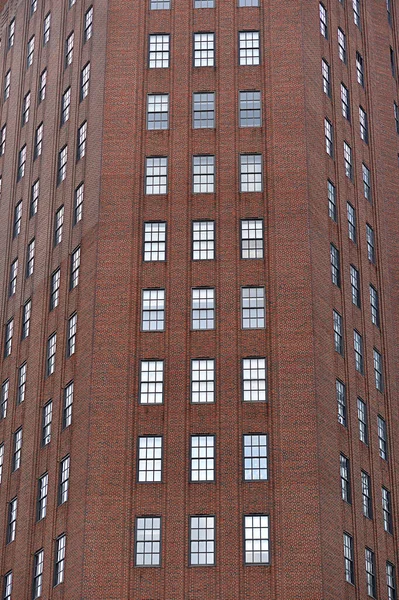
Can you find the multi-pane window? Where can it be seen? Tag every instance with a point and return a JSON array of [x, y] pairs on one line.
[[51, 350], [386, 510], [202, 380], [149, 469], [203, 240], [356, 12], [55, 288], [7, 84], [203, 308], [75, 266], [78, 204], [366, 495], [374, 306], [153, 310], [158, 56], [202, 540], [204, 3], [151, 382], [62, 164], [3, 132], [348, 160], [248, 2], [204, 49], [68, 403], [65, 105], [34, 198], [249, 47], [88, 27], [345, 478], [84, 81], [250, 172], [159, 4], [46, 29], [30, 51], [203, 174], [26, 314], [329, 137], [71, 335], [37, 586], [252, 238], [148, 541], [382, 438], [341, 45], [12, 520], [9, 332], [58, 225], [255, 457], [349, 558], [362, 420], [341, 401], [25, 108], [370, 573], [47, 418], [391, 581], [202, 458], [17, 219], [63, 486], [250, 109], [335, 266], [370, 243], [156, 175], [7, 586], [11, 33], [21, 390], [12, 286], [323, 20], [154, 241], [358, 348], [17, 451], [33, 6], [158, 111], [81, 141], [203, 110], [42, 494], [69, 49], [21, 163], [355, 286], [359, 69], [338, 333], [254, 388], [256, 539], [326, 74], [364, 128], [42, 85], [1, 460], [38, 147], [253, 307], [59, 559], [5, 388], [345, 103], [366, 175], [378, 376]]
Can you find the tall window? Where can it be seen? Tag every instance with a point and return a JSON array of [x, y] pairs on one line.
[[364, 127], [47, 418], [78, 204], [256, 539], [249, 47], [38, 141], [203, 110], [202, 540], [202, 380], [153, 310], [323, 20], [203, 174], [75, 266], [42, 497], [253, 308], [338, 333], [359, 69], [158, 111], [252, 238], [25, 109], [355, 286], [335, 266], [358, 347], [156, 175], [348, 160], [386, 510], [370, 243], [341, 45], [374, 306], [370, 573], [12, 285], [158, 57], [7, 85], [349, 558], [345, 103], [7, 586], [255, 457], [329, 137], [69, 49], [202, 458], [37, 586], [17, 451], [5, 388], [151, 382], [11, 33], [71, 334], [26, 314], [30, 51], [396, 116], [345, 479], [62, 164], [63, 486], [356, 12], [366, 495], [362, 420], [250, 109], [42, 85], [34, 198], [21, 390], [51, 350], [366, 175], [3, 132], [148, 541], [9, 332], [84, 81], [17, 219], [68, 403], [378, 375], [46, 29], [12, 520], [341, 401], [382, 438], [59, 559], [65, 105], [391, 581], [204, 49], [55, 289], [351, 214], [58, 225], [88, 27], [33, 6], [203, 308], [149, 459], [81, 141], [254, 380], [154, 241], [203, 240], [1, 460], [326, 75], [250, 172], [21, 163]]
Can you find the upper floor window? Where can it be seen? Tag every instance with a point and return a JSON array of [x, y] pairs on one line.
[[335, 266], [34, 198], [329, 137], [151, 382], [366, 175], [160, 4], [7, 586], [387, 510], [359, 69], [203, 110], [203, 308], [355, 286], [25, 109], [9, 332], [62, 164], [370, 573], [338, 333], [38, 141], [148, 541], [370, 243], [71, 335], [158, 57], [202, 380], [348, 160], [389, 15], [59, 559], [4, 403], [255, 457], [250, 109], [88, 28], [84, 81], [51, 350], [252, 238], [17, 450], [393, 62], [156, 175], [69, 49], [21, 389], [256, 539], [78, 204], [203, 174], [382, 438], [21, 163], [358, 347], [11, 34], [349, 559], [351, 215], [374, 306], [326, 75], [55, 288], [149, 459], [345, 478], [356, 12], [204, 3], [154, 241], [341, 401], [82, 137], [1, 460], [47, 417], [378, 374], [33, 6], [42, 85], [75, 266], [12, 286], [17, 219], [58, 225], [323, 20], [68, 403], [254, 388], [366, 495], [46, 29], [3, 132], [65, 105], [341, 45], [30, 258], [346, 113], [158, 111], [63, 487], [203, 233], [153, 310], [253, 307], [362, 421], [12, 520], [202, 457], [204, 49], [38, 562], [202, 541], [30, 51], [364, 127], [26, 315], [248, 3], [42, 497], [249, 47], [7, 84], [250, 173]]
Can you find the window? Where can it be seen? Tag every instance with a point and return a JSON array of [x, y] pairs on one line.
[[252, 238], [348, 557], [7, 586], [58, 225], [345, 479], [33, 6], [341, 45], [30, 51], [203, 308], [7, 85], [159, 4], [202, 380], [370, 243], [158, 111], [335, 267], [379, 383], [82, 137], [37, 586], [358, 347], [11, 33], [153, 310], [359, 69], [59, 559], [88, 30], [84, 81], [202, 458], [12, 520], [62, 164], [12, 286], [148, 541], [387, 510], [16, 459], [329, 137], [393, 65], [42, 85], [362, 419], [255, 457], [204, 110], [345, 103], [250, 109], [46, 29], [3, 139], [396, 115], [156, 175], [21, 163], [71, 3], [4, 400], [22, 371], [370, 573], [38, 141], [47, 418], [323, 20], [364, 128], [42, 497], [151, 382], [51, 349], [355, 286], [71, 335], [64, 480], [55, 288], [391, 581], [26, 314], [341, 401], [1, 460], [382, 438], [78, 204], [203, 174], [366, 496], [204, 50], [203, 240], [249, 48], [17, 219], [326, 75], [204, 3], [158, 57], [149, 468], [69, 49], [254, 380], [68, 402], [8, 338], [256, 539], [248, 2], [34, 198], [250, 173], [75, 266], [338, 333], [253, 307], [65, 105], [348, 160], [375, 306], [202, 541], [356, 12], [366, 182]]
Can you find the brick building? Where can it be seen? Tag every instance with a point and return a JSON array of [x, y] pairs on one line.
[[199, 260]]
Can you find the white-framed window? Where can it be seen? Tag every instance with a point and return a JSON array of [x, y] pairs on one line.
[[252, 238], [46, 29], [51, 351], [364, 126], [149, 468], [326, 75], [42, 85], [370, 243], [21, 390], [55, 288], [25, 109], [5, 389], [65, 105], [203, 110], [366, 495], [84, 81], [160, 4], [78, 204], [359, 69], [370, 573], [382, 437], [255, 457], [42, 495], [202, 458], [323, 20], [250, 109], [345, 102], [153, 310], [203, 308], [71, 334], [329, 137], [386, 509], [358, 347], [30, 51], [21, 162], [156, 175], [348, 160], [366, 175], [62, 164], [9, 332], [148, 541], [158, 55], [362, 421], [250, 172], [151, 382], [12, 286], [58, 225], [256, 539], [34, 198], [391, 581], [378, 373], [340, 391], [355, 286], [59, 559], [203, 240], [154, 241], [7, 586], [63, 487], [254, 384], [204, 3], [69, 49], [344, 466], [17, 219], [17, 451], [202, 540], [26, 315], [88, 27], [253, 307], [38, 561], [81, 138], [202, 380], [75, 266], [374, 306], [341, 45], [204, 49], [249, 47], [47, 418], [12, 520], [203, 174], [38, 141], [158, 111], [68, 403], [349, 559], [248, 3]]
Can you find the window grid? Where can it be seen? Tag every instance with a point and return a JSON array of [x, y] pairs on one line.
[[46, 422], [154, 241], [58, 225], [202, 540], [21, 163], [156, 175], [8, 338], [3, 132], [71, 336], [374, 306], [326, 76], [63, 488], [252, 238], [204, 3], [338, 334], [88, 30], [30, 51], [12, 286], [203, 110], [250, 173], [359, 69], [51, 350], [59, 559], [153, 310], [42, 85], [349, 559], [21, 390], [7, 85], [62, 164], [378, 375], [46, 29], [38, 141], [203, 240], [356, 12], [11, 33], [25, 108], [255, 457], [84, 81], [12, 520], [358, 348], [42, 497], [158, 111], [160, 4], [5, 389], [151, 382], [202, 380], [34, 198], [329, 137], [202, 458], [148, 541], [17, 219], [341, 401], [391, 581], [65, 105], [323, 20], [362, 419], [16, 463], [348, 160], [370, 573], [335, 267], [366, 496], [364, 128], [204, 49], [203, 174], [158, 57], [7, 586], [355, 286], [382, 438], [345, 102], [55, 289], [75, 266], [370, 243], [38, 574], [253, 307], [345, 479], [68, 403], [69, 49], [250, 110], [149, 459], [78, 204], [26, 314], [203, 308], [386, 510], [366, 175], [82, 138], [256, 539], [254, 380], [341, 45]]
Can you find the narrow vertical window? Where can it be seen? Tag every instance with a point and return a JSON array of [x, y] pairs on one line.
[[153, 310], [393, 62], [366, 496], [71, 334], [88, 27], [55, 289], [63, 486], [158, 111], [252, 238], [250, 109], [37, 586], [149, 469], [204, 50], [355, 286], [154, 241], [34, 198], [359, 69], [349, 559], [364, 126], [378, 374], [38, 141], [12, 520], [26, 314], [59, 559], [11, 34], [255, 457], [387, 510], [326, 75], [17, 219], [84, 81], [366, 176], [356, 12], [42, 494], [254, 381], [329, 137], [7, 85], [391, 581], [202, 380], [148, 542], [323, 20], [396, 116], [362, 420], [65, 105], [58, 225], [341, 401], [47, 418], [46, 29], [21, 390], [338, 333], [370, 573], [203, 233], [158, 55], [69, 49], [50, 357], [12, 285], [5, 388], [30, 52], [33, 7], [335, 266], [68, 403], [370, 243], [75, 266], [62, 164], [250, 173], [9, 332], [17, 451], [7, 586], [345, 103], [3, 132], [78, 204], [202, 540], [203, 308], [253, 308], [374, 306], [358, 347], [203, 174], [151, 382], [82, 138], [345, 479], [156, 175], [202, 458], [341, 45], [382, 438], [1, 460], [21, 163], [42, 85], [256, 539], [348, 160]]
